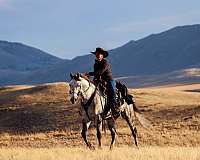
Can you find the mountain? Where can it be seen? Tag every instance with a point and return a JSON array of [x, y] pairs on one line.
[[157, 54], [175, 49], [20, 57], [17, 61]]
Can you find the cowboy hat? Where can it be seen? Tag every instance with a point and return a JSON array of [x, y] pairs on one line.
[[101, 51]]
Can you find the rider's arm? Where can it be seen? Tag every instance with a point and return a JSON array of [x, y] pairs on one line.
[[106, 67], [100, 71]]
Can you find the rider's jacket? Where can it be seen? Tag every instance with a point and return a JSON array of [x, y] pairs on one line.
[[102, 70]]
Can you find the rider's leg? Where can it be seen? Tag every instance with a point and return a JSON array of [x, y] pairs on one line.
[[111, 91], [112, 98]]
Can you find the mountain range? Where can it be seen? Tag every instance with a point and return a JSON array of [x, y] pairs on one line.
[[171, 51]]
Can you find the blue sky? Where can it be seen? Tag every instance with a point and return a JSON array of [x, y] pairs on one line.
[[68, 28]]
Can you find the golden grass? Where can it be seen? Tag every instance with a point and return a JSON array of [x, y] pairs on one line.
[[42, 116], [120, 153], [165, 97]]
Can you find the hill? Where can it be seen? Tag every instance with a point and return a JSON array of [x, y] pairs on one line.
[[17, 61], [172, 50], [20, 57]]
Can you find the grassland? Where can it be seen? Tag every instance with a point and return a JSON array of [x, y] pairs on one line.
[[125, 153], [40, 119]]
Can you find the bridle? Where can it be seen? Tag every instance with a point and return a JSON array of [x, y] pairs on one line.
[[85, 103], [80, 90], [88, 101]]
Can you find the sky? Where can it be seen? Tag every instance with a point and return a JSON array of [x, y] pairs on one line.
[[70, 28]]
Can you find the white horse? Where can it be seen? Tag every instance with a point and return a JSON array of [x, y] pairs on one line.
[[93, 103]]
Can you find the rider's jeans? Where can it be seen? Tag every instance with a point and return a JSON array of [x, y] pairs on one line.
[[111, 92]]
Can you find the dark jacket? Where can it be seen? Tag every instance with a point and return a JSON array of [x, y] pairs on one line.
[[102, 70]]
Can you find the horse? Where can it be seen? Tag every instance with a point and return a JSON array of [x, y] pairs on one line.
[[92, 106]]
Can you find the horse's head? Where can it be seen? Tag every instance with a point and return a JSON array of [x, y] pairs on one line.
[[79, 84], [75, 87]]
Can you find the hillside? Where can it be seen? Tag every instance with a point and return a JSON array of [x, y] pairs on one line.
[[174, 49], [170, 51], [42, 116], [185, 76], [18, 61], [20, 57]]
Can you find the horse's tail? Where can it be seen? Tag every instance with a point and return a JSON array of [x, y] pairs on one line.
[[143, 121]]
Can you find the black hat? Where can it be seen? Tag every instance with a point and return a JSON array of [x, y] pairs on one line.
[[101, 51]]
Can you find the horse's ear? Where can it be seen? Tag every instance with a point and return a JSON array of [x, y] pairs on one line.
[[71, 75], [78, 75]]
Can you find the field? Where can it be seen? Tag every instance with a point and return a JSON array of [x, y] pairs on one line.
[[125, 153], [40, 119]]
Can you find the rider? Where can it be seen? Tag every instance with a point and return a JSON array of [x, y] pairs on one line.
[[102, 71]]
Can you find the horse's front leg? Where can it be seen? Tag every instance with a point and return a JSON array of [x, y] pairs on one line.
[[85, 126]]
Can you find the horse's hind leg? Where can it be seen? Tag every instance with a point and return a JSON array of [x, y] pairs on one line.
[[131, 126], [84, 133], [112, 128]]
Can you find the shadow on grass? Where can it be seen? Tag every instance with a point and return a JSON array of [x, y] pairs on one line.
[[194, 90], [39, 119]]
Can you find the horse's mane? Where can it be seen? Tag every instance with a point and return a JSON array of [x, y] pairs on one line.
[[87, 79]]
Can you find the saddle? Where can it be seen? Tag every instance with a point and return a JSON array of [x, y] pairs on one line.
[[121, 92], [123, 95]]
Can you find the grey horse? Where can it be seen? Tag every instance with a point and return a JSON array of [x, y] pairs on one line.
[[92, 107]]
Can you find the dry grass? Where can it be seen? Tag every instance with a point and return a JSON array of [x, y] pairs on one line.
[[42, 117], [125, 153]]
